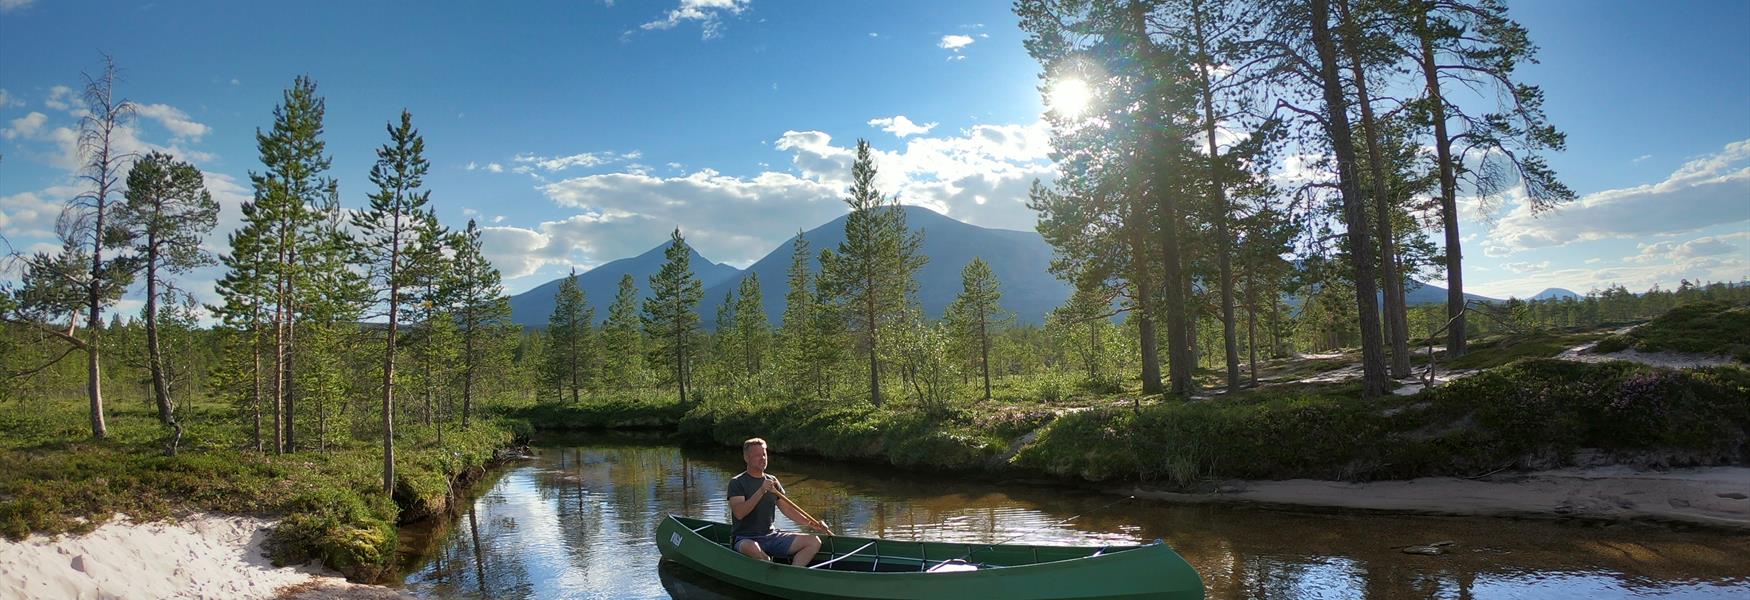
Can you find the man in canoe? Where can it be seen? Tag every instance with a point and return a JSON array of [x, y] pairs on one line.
[[752, 497]]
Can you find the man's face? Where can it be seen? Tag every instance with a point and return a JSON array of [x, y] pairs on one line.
[[755, 457]]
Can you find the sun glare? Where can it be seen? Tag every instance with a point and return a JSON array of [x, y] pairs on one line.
[[1070, 97]]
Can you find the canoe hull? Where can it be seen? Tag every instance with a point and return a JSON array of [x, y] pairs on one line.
[[1147, 572]]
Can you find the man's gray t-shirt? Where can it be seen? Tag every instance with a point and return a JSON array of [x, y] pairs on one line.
[[759, 520]]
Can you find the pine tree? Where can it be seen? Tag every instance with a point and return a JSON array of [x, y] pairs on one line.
[[244, 289], [567, 340], [387, 232], [431, 272], [286, 194], [875, 268], [796, 341], [669, 314], [81, 278], [1473, 44], [168, 210], [622, 341], [482, 313], [1359, 239], [751, 329], [976, 314]]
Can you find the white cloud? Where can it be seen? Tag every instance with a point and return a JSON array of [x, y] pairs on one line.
[[955, 42], [1526, 267], [980, 175], [470, 166], [61, 98], [495, 167], [1669, 252], [901, 126], [1712, 190], [180, 125], [25, 126], [873, 34], [1642, 157], [7, 100], [553, 164], [12, 5], [708, 13]]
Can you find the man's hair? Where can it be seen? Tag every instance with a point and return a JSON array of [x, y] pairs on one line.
[[751, 442]]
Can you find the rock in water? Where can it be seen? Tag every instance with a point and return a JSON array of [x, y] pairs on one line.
[[1434, 549]]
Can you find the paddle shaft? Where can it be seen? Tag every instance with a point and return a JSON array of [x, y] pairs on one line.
[[799, 509]]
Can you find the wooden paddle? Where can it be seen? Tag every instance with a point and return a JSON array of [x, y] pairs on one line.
[[799, 508]]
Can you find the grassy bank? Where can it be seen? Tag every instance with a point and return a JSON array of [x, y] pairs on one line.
[[1696, 328], [330, 502], [1530, 414], [1536, 413]]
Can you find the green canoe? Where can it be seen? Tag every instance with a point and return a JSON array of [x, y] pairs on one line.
[[853, 568]]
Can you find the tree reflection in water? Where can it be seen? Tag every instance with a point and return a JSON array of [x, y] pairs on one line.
[[578, 521]]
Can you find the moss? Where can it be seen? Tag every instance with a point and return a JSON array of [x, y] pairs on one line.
[[1506, 416], [330, 503], [1697, 328]]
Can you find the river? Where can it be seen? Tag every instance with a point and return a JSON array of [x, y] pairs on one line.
[[577, 522]]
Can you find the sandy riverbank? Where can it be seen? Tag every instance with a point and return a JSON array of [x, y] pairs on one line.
[[198, 556], [1714, 496]]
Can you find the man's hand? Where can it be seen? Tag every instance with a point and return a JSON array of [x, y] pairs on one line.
[[770, 485]]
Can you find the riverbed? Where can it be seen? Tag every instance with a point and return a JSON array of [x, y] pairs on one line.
[[577, 521]]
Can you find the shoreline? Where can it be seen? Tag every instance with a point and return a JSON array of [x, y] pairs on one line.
[[1715, 497], [198, 555]]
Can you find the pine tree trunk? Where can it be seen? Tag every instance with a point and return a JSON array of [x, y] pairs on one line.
[[984, 350], [1354, 214], [468, 372], [1252, 323], [874, 358], [1455, 331], [94, 321], [291, 357], [1391, 282], [1218, 194], [154, 355], [279, 356], [389, 360], [255, 378]]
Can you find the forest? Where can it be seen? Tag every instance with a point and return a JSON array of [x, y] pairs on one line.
[[1241, 185]]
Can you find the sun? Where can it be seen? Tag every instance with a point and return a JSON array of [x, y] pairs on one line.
[[1069, 97]]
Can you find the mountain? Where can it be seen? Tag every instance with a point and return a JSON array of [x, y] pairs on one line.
[[1019, 259], [601, 284], [1418, 292], [1555, 294]]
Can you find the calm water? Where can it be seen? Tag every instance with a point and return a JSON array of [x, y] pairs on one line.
[[577, 522]]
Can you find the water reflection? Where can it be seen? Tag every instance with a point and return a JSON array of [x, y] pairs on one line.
[[578, 522]]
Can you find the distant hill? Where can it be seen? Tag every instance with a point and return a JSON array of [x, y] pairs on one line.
[[601, 284], [1019, 259], [1418, 292], [1555, 294]]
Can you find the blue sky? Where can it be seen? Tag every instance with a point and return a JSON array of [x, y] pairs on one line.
[[580, 132]]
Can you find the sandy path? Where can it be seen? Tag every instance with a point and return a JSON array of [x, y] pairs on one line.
[[199, 556], [1714, 496]]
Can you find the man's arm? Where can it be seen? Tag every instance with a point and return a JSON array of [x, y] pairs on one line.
[[741, 505]]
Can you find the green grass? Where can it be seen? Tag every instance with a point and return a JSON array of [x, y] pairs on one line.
[[1500, 350], [54, 478], [1695, 328], [1532, 413], [631, 409]]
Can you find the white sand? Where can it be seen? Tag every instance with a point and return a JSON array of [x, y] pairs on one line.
[[1714, 496], [199, 556]]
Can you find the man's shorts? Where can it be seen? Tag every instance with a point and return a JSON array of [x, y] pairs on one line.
[[774, 544]]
